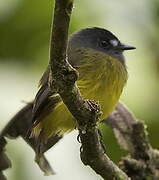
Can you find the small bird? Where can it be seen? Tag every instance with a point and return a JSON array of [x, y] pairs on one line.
[[97, 55]]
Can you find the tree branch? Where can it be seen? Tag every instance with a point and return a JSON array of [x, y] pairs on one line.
[[62, 78], [4, 161], [143, 163]]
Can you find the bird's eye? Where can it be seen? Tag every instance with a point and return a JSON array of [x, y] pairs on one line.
[[104, 44]]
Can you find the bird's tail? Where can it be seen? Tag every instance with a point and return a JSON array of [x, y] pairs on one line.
[[18, 126]]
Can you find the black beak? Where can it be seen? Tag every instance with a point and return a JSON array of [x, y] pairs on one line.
[[125, 47]]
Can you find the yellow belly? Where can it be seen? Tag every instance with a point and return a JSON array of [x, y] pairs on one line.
[[60, 121], [104, 85]]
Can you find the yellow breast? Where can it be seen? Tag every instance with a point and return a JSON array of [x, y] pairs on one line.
[[102, 79]]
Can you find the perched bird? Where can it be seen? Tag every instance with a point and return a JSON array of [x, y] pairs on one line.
[[97, 54]]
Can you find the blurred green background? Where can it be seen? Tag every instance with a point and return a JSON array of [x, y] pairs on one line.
[[24, 49]]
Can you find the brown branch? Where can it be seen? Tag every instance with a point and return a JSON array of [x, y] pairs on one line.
[[62, 78], [4, 161], [143, 163]]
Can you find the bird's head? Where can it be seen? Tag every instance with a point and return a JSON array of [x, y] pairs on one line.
[[99, 40]]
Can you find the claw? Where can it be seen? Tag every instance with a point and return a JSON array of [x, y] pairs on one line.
[[93, 105]]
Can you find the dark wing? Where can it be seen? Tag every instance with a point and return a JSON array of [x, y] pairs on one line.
[[18, 126], [40, 103], [21, 123], [44, 101], [42, 97]]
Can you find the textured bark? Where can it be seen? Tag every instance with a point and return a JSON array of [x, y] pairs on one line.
[[4, 161], [62, 79], [143, 161]]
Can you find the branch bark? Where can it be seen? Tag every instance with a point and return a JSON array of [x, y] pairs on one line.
[[143, 161], [4, 161], [62, 78]]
